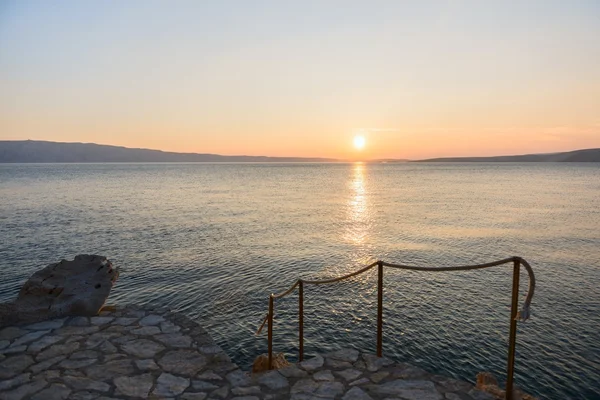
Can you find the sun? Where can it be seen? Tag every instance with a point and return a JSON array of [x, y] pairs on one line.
[[359, 142]]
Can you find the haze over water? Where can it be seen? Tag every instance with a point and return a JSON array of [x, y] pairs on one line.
[[213, 240]]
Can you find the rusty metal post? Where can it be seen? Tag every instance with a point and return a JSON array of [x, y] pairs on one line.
[[301, 319], [270, 332], [513, 330], [379, 309]]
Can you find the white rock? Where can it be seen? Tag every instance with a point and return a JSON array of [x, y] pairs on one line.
[[273, 380], [203, 385], [146, 365], [221, 392], [176, 340], [46, 364], [97, 339], [330, 389], [84, 354], [57, 349], [356, 394], [134, 386], [193, 396], [134, 313], [168, 385], [238, 378], [100, 320], [480, 395], [379, 376], [107, 348], [78, 287], [56, 391], [346, 355], [146, 331], [86, 384], [183, 362], [324, 375], [305, 386], [142, 348], [79, 321], [292, 372], [123, 321], [209, 375], [76, 364], [13, 366], [44, 325], [17, 380], [360, 381], [169, 327], [44, 342], [312, 364], [24, 390], [214, 349], [110, 370], [246, 391], [409, 390], [48, 375], [375, 363], [14, 350], [30, 337], [151, 319], [11, 333], [349, 374], [123, 339]]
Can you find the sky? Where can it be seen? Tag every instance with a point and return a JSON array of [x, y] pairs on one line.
[[303, 78]]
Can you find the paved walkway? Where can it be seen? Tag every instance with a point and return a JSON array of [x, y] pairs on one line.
[[133, 353]]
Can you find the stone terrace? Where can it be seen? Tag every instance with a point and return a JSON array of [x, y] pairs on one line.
[[135, 353]]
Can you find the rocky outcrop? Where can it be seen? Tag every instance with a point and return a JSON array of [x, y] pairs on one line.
[[119, 354], [136, 353], [78, 287]]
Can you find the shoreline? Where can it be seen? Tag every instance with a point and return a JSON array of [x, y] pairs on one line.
[[136, 352]]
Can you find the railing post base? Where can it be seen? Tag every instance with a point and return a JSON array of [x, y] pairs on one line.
[[379, 308], [300, 320], [270, 332], [512, 339]]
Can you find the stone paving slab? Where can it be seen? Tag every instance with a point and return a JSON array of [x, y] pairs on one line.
[[134, 353]]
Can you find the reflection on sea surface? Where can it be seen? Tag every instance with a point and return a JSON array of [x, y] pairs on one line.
[[213, 240], [358, 215]]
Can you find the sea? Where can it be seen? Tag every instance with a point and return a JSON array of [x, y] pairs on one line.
[[212, 241]]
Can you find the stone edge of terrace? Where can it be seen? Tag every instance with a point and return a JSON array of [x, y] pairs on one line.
[[153, 352]]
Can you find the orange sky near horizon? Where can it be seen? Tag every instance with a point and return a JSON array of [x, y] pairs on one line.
[[418, 80]]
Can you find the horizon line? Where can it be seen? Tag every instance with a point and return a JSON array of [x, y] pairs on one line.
[[320, 159]]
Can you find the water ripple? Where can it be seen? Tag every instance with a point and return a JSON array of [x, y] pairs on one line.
[[213, 241]]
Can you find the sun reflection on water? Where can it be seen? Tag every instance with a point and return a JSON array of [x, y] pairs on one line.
[[358, 217], [358, 223]]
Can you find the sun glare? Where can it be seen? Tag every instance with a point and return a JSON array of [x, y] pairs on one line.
[[359, 142]]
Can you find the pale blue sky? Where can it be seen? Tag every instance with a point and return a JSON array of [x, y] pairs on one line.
[[302, 78]]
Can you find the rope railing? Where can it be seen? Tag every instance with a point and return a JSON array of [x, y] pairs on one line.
[[516, 315]]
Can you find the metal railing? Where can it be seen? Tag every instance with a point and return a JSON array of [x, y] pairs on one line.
[[515, 315]]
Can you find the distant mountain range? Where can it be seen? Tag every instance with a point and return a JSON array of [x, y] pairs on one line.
[[35, 151], [587, 155]]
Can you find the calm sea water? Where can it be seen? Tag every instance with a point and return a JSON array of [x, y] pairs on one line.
[[213, 240]]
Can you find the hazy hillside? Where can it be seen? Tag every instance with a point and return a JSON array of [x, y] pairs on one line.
[[587, 155], [32, 151]]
